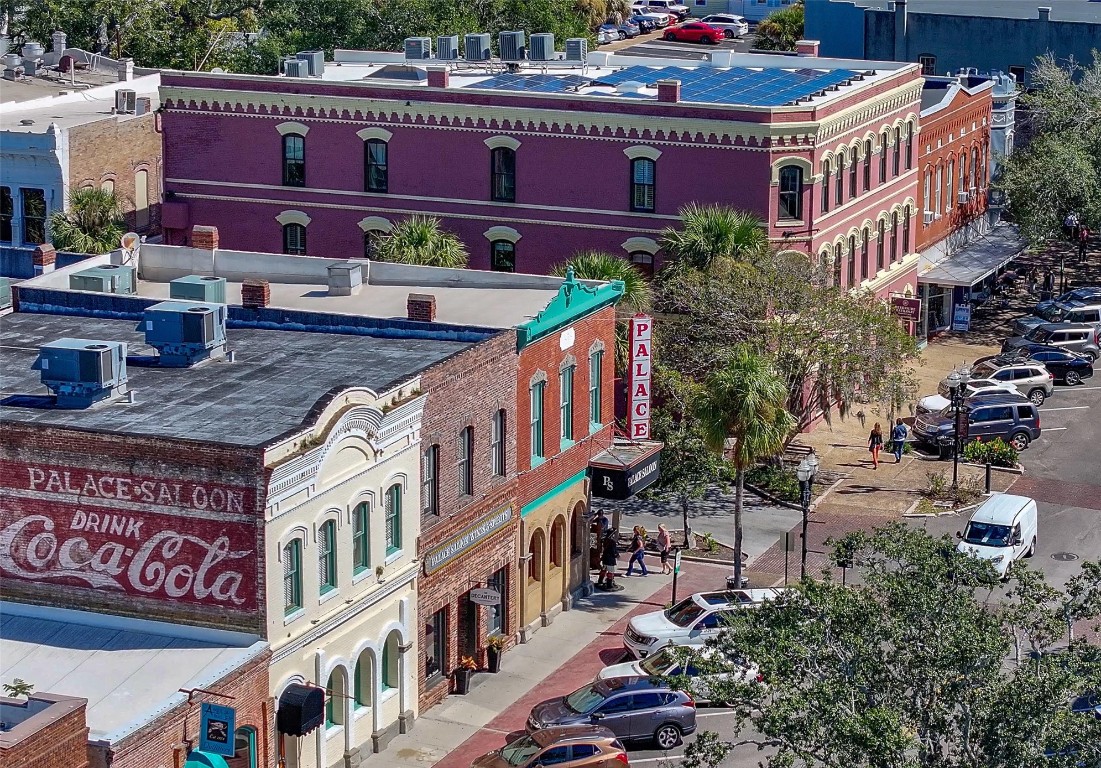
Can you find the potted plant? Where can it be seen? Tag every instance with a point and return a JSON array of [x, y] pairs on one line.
[[495, 646], [467, 667]]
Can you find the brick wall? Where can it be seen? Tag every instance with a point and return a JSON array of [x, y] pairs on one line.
[[162, 743], [45, 476], [467, 390], [60, 743], [547, 355], [116, 149]]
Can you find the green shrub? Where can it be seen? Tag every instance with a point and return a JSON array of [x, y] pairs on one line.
[[996, 451], [781, 483], [907, 448]]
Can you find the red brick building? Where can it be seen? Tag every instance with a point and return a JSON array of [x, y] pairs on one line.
[[44, 730]]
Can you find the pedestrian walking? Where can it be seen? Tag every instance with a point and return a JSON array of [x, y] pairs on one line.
[[602, 519], [875, 442], [665, 543], [1033, 279], [609, 559], [898, 439], [638, 552], [1070, 226], [1049, 282], [1083, 241]]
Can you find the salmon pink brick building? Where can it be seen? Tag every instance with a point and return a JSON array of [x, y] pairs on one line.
[[531, 164]]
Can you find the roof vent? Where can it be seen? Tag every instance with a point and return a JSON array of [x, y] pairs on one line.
[[126, 101], [511, 45], [630, 86], [198, 288], [107, 278], [476, 47], [185, 333], [81, 372]]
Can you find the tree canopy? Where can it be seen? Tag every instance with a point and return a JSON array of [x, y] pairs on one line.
[[781, 30], [420, 240], [92, 223]]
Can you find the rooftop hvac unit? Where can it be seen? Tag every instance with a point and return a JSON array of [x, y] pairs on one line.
[[476, 47], [184, 332], [511, 45], [108, 278], [296, 68], [198, 288], [315, 60], [82, 371], [542, 47], [577, 48], [418, 48], [447, 47], [126, 101]]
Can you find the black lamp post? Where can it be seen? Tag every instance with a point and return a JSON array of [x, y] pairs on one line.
[[957, 390], [806, 471]]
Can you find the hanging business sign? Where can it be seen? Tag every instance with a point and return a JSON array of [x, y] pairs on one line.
[[485, 596], [905, 308], [961, 317], [217, 725], [638, 397], [611, 481]]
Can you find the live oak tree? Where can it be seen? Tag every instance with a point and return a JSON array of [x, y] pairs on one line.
[[928, 663]]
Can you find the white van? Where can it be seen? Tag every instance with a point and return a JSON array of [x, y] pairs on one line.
[[1001, 530]]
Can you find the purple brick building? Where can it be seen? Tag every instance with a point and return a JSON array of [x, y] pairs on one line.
[[530, 166]]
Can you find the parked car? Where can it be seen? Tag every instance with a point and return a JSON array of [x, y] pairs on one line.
[[1087, 704], [672, 7], [657, 16], [731, 25], [603, 37], [1006, 416], [1031, 379], [1061, 312], [938, 402], [644, 22], [1074, 337], [694, 32], [591, 746], [671, 661], [633, 708], [622, 31], [1066, 366], [692, 621], [1089, 294], [1001, 530]]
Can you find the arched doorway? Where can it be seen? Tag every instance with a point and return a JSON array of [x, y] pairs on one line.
[[244, 746], [534, 606], [579, 546]]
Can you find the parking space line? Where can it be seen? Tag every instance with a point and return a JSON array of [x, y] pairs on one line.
[[1054, 429], [640, 760], [1068, 408]]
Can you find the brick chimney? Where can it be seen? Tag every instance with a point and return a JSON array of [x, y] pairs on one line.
[[806, 47], [437, 77], [204, 237], [44, 258], [669, 91], [255, 293], [421, 307]]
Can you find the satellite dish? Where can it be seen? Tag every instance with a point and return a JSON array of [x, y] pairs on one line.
[[130, 240]]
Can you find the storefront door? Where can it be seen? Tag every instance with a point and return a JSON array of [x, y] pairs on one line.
[[470, 631]]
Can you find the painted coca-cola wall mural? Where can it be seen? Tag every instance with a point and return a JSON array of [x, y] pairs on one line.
[[174, 540]]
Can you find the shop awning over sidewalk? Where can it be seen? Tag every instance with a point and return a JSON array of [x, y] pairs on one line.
[[978, 260], [627, 468]]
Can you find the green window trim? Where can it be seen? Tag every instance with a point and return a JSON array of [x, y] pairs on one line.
[[536, 396], [326, 557], [361, 696], [292, 577], [387, 662], [393, 519], [565, 404], [361, 538], [596, 390]]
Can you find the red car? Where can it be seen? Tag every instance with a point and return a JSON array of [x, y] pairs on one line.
[[694, 32]]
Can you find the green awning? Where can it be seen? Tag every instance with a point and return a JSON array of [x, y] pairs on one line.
[[197, 759]]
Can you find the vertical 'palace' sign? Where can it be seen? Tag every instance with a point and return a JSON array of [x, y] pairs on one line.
[[638, 418]]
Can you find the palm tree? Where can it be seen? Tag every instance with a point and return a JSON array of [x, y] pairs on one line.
[[93, 222], [598, 265], [419, 240], [744, 400], [713, 233], [781, 30]]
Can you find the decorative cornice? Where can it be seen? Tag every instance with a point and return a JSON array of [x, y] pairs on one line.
[[861, 116]]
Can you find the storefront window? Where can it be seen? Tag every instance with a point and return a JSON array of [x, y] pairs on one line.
[[435, 645], [495, 614]]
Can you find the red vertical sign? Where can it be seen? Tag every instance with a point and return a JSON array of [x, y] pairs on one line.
[[638, 397]]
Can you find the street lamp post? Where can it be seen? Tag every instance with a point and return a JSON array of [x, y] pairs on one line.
[[806, 471], [957, 390]]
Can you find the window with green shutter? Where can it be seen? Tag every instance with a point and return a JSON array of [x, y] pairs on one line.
[[326, 556], [393, 519], [292, 577], [361, 538]]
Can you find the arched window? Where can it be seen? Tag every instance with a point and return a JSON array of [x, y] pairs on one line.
[[371, 240], [334, 699], [390, 678], [244, 748], [503, 162], [535, 557], [361, 537], [880, 236], [984, 176], [558, 543], [852, 261], [643, 261], [430, 480], [294, 239], [853, 191], [791, 192], [867, 164], [363, 684], [375, 165], [141, 198], [909, 146], [577, 530], [292, 577], [907, 215], [896, 151], [837, 265], [884, 141], [974, 167], [864, 237], [107, 186], [963, 171], [840, 188], [393, 519], [825, 186], [894, 236], [953, 198], [643, 183], [326, 556], [502, 256], [294, 160]]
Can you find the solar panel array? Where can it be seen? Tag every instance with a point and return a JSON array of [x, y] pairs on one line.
[[705, 85]]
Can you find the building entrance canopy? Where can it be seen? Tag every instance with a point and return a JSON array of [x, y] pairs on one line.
[[978, 260], [625, 469]]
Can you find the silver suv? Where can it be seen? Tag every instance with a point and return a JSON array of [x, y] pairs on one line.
[[1061, 312], [1031, 379], [1083, 338]]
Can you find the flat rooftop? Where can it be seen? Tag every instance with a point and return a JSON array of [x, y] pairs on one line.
[[129, 670], [1061, 10], [269, 390], [77, 107], [727, 79]]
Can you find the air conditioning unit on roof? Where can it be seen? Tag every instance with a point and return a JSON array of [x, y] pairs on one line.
[[295, 68], [542, 47], [198, 288], [511, 45], [417, 48], [447, 47], [476, 47], [126, 101], [184, 332], [106, 278], [81, 372], [315, 60], [577, 48]]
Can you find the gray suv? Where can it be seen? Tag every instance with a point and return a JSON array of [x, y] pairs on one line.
[[1082, 338], [1031, 379], [633, 708], [1061, 312], [1005, 416]]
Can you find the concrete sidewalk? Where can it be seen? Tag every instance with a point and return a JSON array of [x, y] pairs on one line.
[[558, 659]]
